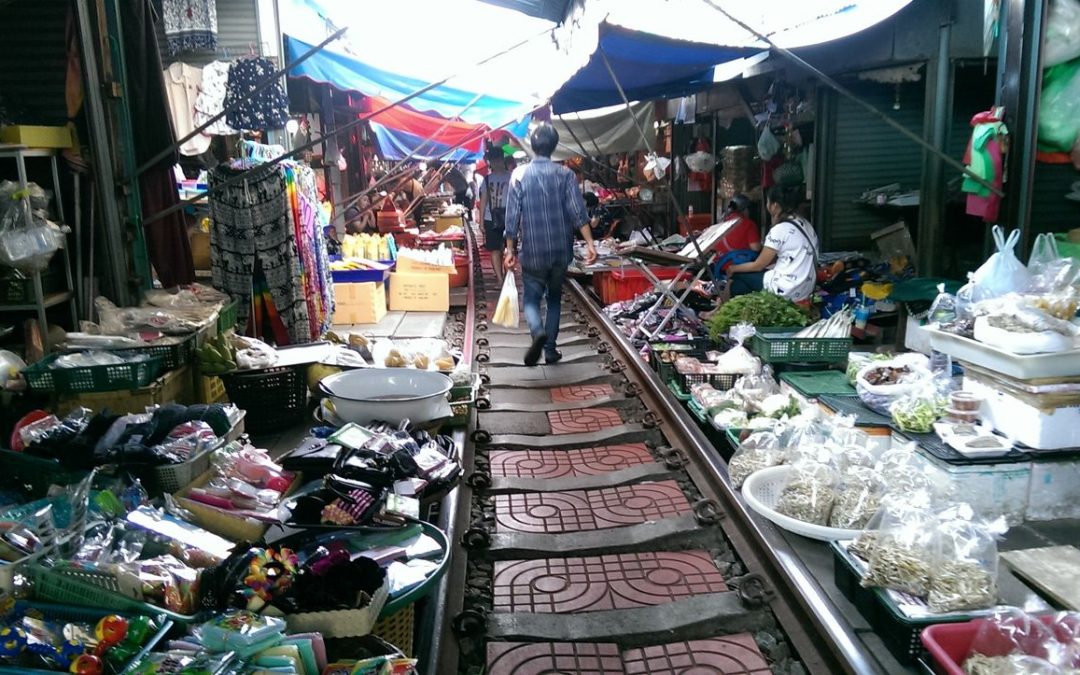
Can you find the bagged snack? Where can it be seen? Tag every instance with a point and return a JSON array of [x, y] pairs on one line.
[[858, 498], [965, 569], [1009, 631], [809, 494], [903, 551], [919, 409], [759, 451]]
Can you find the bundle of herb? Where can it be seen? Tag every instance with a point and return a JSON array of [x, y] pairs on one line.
[[762, 309]]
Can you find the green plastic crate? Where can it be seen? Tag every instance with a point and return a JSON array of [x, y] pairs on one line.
[[819, 383], [228, 316], [91, 379], [677, 391], [778, 345], [94, 589], [174, 355], [16, 290]]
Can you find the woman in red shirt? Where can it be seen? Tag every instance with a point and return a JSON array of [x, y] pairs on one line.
[[744, 235]]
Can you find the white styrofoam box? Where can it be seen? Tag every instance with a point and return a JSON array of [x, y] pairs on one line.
[[1023, 422], [1055, 490], [916, 337], [992, 489]]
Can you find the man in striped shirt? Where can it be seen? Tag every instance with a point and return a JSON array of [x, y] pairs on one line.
[[543, 209]]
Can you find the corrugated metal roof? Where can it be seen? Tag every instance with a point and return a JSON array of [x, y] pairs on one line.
[[552, 10]]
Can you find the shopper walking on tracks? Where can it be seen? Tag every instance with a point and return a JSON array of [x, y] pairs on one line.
[[493, 208], [543, 209]]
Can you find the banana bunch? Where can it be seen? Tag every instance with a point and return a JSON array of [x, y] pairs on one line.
[[217, 356]]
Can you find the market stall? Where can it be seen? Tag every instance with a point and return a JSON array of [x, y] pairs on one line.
[[933, 479]]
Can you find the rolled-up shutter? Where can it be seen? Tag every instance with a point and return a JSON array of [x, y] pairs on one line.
[[867, 153]]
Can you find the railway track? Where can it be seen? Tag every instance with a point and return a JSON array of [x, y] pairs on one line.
[[598, 533]]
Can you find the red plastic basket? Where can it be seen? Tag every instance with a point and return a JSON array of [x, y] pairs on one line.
[[949, 644], [627, 283]]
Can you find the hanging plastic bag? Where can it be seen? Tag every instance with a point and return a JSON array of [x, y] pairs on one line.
[[1059, 107], [1062, 40], [506, 312], [1003, 272], [767, 145]]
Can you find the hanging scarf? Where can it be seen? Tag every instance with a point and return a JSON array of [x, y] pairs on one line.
[[190, 25]]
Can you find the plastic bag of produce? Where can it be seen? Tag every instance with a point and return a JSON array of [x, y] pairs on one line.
[[1003, 272], [917, 410], [859, 360], [506, 312], [964, 575], [905, 471], [767, 144], [902, 553], [890, 505], [759, 451], [1009, 631], [858, 498], [880, 384], [943, 309], [810, 493]]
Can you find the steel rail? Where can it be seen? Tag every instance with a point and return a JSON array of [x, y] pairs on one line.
[[824, 642]]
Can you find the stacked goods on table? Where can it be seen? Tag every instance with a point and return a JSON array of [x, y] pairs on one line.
[[740, 173], [120, 557], [421, 280]]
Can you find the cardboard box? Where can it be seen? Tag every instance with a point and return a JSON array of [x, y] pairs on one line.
[[37, 137], [359, 303], [444, 223], [410, 266], [411, 292]]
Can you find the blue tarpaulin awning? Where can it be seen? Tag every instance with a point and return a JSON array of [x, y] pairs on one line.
[[648, 66], [348, 74]]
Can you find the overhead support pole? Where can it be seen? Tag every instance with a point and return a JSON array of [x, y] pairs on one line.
[[112, 228], [932, 203], [1025, 23], [846, 93]]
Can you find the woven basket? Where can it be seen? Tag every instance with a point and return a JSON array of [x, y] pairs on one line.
[[397, 629], [341, 623]]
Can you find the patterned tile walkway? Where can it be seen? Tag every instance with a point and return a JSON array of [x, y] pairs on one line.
[[565, 463], [622, 581], [581, 392], [581, 421], [582, 510]]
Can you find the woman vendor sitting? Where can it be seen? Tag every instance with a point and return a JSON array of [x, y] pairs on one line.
[[743, 239], [787, 264]]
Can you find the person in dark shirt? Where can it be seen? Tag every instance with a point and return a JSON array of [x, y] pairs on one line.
[[601, 222]]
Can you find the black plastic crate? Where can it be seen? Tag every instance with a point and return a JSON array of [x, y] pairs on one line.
[[274, 398]]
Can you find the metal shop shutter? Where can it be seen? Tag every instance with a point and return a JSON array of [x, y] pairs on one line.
[[238, 28], [33, 66], [866, 153]]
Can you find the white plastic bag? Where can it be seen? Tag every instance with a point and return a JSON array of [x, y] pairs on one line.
[[1062, 40], [506, 312], [767, 145], [1003, 272]]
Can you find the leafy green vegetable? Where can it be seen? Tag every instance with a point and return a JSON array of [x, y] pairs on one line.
[[762, 309]]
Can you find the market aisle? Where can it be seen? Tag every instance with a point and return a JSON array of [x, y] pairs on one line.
[[595, 562]]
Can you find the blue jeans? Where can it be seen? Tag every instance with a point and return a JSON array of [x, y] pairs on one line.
[[743, 283], [538, 284]]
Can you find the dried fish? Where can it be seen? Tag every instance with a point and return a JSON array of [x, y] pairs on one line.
[[958, 585], [898, 566], [808, 500]]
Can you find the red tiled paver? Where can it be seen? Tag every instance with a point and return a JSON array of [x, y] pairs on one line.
[[589, 584], [581, 392], [553, 658], [581, 421], [582, 510], [564, 463], [729, 655]]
